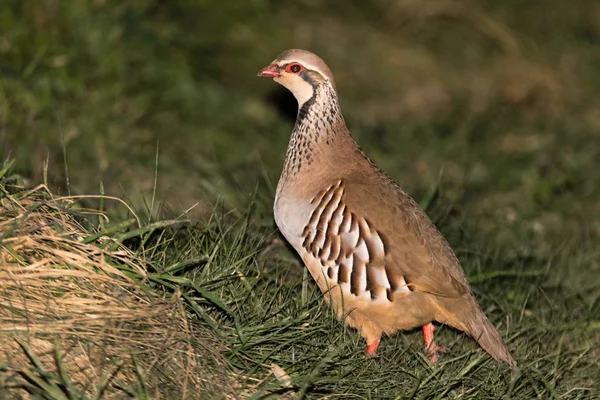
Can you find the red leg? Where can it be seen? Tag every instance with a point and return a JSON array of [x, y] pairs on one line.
[[372, 347], [430, 345]]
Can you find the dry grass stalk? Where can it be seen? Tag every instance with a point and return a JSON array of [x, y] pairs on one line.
[[56, 290]]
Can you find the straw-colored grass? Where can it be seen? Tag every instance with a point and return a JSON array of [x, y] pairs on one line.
[[62, 292]]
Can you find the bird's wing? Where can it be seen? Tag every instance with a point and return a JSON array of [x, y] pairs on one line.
[[381, 239]]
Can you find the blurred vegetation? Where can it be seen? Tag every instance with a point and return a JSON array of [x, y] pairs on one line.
[[492, 107], [495, 101]]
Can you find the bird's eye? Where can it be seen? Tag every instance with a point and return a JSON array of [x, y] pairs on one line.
[[294, 68]]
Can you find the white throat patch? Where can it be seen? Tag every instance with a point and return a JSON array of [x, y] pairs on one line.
[[301, 89]]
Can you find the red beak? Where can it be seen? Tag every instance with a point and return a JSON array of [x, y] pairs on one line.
[[272, 71]]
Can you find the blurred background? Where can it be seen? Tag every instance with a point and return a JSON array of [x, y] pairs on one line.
[[494, 104]]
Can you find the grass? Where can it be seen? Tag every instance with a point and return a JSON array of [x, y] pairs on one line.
[[250, 305], [79, 314], [162, 152]]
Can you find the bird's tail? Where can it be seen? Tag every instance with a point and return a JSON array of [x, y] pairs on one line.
[[467, 316], [482, 330]]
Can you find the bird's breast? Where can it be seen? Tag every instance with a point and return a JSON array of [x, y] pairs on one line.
[[291, 215]]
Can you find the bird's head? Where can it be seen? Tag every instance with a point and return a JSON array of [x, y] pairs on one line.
[[301, 72]]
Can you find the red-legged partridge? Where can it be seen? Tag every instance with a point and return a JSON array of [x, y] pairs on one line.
[[373, 252]]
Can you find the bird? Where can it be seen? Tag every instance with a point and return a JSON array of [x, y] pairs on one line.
[[379, 260]]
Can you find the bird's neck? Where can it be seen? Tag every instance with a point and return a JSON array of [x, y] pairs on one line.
[[318, 127]]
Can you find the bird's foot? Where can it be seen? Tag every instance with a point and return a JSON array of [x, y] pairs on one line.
[[372, 347], [432, 348]]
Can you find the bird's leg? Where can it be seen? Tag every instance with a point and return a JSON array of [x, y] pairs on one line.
[[430, 345], [372, 347]]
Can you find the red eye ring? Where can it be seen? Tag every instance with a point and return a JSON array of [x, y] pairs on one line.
[[294, 68]]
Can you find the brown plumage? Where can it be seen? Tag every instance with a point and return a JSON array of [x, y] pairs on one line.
[[374, 253]]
